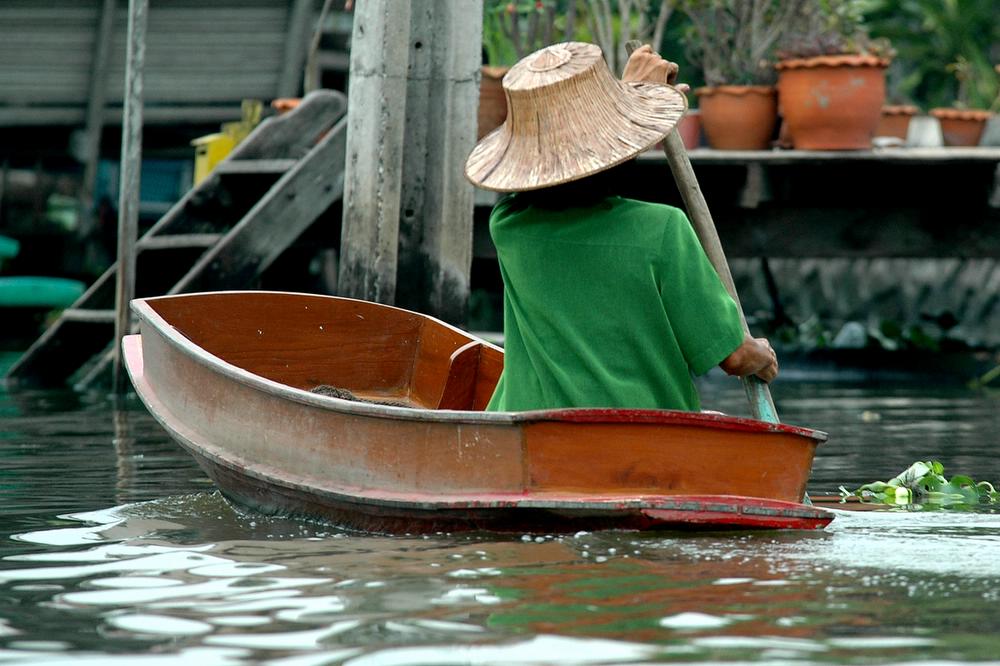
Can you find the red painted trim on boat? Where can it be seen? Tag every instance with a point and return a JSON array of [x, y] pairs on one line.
[[701, 419]]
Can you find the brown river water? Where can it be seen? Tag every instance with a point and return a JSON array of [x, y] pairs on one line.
[[116, 549]]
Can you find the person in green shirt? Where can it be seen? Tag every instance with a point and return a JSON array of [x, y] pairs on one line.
[[608, 302]]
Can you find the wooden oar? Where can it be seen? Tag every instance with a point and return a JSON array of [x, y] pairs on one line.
[[701, 219]]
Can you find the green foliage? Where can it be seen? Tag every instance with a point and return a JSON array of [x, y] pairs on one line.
[[513, 29], [889, 335], [933, 37], [830, 27], [733, 41], [924, 483]]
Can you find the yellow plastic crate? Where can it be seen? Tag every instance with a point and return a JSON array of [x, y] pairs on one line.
[[209, 150]]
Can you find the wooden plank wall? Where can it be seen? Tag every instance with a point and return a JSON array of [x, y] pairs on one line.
[[200, 56]]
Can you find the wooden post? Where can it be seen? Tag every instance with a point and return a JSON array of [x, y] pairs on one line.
[[296, 43], [131, 163], [95, 110], [435, 248], [372, 179], [311, 77]]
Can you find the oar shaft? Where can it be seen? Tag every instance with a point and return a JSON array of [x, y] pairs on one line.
[[758, 394], [756, 389]]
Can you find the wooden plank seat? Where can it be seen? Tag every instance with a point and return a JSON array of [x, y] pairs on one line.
[[452, 372], [459, 389]]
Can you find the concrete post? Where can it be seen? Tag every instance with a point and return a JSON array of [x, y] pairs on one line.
[[435, 252], [376, 115], [414, 93]]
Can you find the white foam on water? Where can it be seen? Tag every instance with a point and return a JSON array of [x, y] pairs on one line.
[[212, 588], [39, 645], [240, 620], [6, 629], [291, 640], [106, 553], [67, 536], [179, 560], [475, 573], [732, 581], [462, 594], [132, 582], [759, 643], [880, 642], [692, 621], [908, 542], [322, 659], [538, 650], [201, 656], [236, 569], [287, 600], [159, 625], [449, 627]]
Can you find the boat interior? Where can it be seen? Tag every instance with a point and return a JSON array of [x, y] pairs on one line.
[[335, 346]]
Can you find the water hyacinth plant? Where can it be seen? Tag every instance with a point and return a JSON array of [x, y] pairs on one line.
[[924, 482]]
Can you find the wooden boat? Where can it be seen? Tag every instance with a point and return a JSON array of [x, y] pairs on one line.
[[231, 376]]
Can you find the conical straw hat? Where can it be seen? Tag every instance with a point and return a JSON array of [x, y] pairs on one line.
[[569, 117]]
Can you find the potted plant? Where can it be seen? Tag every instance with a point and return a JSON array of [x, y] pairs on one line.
[[512, 30], [960, 124], [930, 33], [612, 25], [831, 77], [733, 42], [894, 120]]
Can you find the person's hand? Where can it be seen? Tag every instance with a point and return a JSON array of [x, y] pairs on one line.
[[770, 370], [754, 356], [645, 64]]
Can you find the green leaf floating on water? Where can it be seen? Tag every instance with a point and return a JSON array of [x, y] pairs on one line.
[[924, 482]]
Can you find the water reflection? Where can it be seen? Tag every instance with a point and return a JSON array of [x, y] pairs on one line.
[[116, 548]]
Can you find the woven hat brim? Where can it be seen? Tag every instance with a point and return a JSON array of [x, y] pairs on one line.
[[645, 113]]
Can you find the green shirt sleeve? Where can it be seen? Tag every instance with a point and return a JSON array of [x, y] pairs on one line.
[[704, 318]]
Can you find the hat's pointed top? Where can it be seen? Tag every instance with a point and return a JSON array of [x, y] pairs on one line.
[[550, 58]]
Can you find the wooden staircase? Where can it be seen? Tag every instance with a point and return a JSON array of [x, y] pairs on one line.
[[221, 235]]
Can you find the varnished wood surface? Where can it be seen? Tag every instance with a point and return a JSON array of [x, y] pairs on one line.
[[303, 342], [228, 373], [677, 460]]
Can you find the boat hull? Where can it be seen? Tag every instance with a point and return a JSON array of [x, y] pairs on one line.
[[281, 449]]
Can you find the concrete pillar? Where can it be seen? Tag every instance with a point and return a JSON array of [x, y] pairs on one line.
[[439, 49], [441, 117], [376, 112]]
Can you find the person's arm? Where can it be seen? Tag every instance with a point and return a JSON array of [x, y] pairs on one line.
[[753, 357]]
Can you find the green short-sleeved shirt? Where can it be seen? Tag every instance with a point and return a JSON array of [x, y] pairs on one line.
[[609, 305]]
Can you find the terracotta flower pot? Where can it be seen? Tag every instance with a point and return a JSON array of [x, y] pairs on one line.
[[738, 117], [895, 121], [690, 129], [832, 102], [285, 104], [961, 127], [492, 101]]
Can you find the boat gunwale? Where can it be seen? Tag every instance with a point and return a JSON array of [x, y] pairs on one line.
[[558, 502], [595, 416]]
